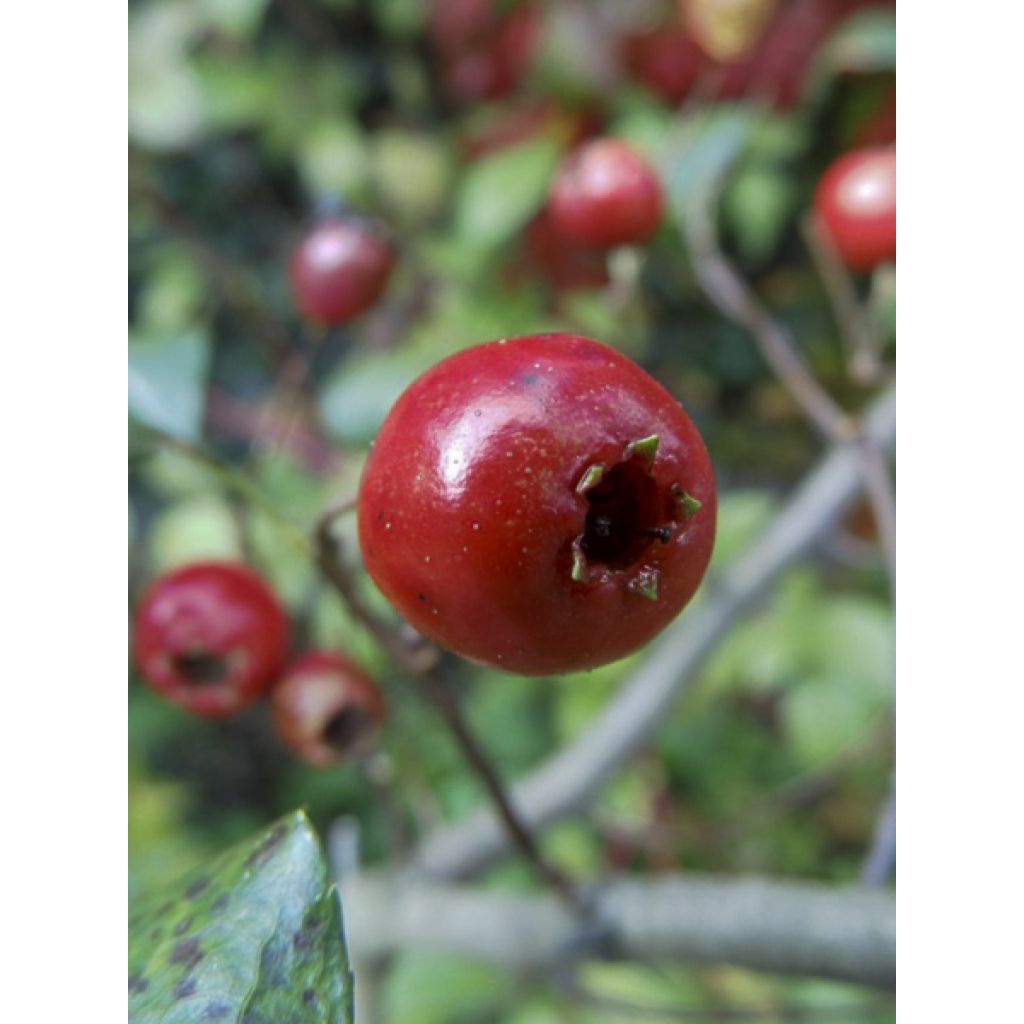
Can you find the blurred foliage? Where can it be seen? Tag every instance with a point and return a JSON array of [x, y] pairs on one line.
[[249, 119]]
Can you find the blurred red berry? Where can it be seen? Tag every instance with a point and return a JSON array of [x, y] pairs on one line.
[[484, 50], [326, 708], [339, 270], [855, 204], [211, 637], [666, 60], [606, 195]]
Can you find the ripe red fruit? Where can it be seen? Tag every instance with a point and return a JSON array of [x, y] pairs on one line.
[[339, 270], [326, 708], [484, 49], [539, 504], [855, 204], [211, 637], [606, 195], [666, 60]]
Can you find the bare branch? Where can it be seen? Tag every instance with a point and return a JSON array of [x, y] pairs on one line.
[[855, 327], [571, 779], [881, 859], [731, 295], [444, 701], [791, 928]]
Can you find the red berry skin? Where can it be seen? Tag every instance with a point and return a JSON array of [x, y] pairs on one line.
[[505, 516], [211, 637], [339, 270], [606, 195], [326, 708], [855, 204]]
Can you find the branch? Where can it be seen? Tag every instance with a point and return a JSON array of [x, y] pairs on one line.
[[858, 334], [571, 779], [734, 299], [881, 859], [791, 928], [444, 701]]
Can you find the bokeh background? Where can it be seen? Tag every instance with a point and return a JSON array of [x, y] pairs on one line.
[[249, 120]]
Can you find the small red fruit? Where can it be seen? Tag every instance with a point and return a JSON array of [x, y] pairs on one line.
[[539, 504], [340, 269], [211, 637], [855, 204], [606, 195], [666, 60], [326, 708]]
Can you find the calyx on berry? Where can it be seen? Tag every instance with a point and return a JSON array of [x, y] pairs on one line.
[[326, 708]]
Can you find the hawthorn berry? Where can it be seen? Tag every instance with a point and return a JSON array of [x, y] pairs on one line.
[[484, 48], [339, 270], [326, 708], [855, 205], [666, 60], [539, 504], [211, 637], [606, 195]]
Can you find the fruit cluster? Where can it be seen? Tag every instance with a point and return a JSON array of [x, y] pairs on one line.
[[213, 638]]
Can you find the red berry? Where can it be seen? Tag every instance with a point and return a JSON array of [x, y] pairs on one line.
[[484, 52], [326, 708], [539, 504], [855, 204], [666, 60], [210, 637], [606, 195], [340, 269]]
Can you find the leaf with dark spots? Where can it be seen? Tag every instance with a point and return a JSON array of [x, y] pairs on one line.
[[257, 937]]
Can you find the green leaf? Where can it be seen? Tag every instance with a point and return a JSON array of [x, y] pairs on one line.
[[759, 205], [500, 193], [166, 379], [253, 937], [357, 397], [707, 144]]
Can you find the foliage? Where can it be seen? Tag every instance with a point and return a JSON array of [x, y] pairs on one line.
[[253, 936]]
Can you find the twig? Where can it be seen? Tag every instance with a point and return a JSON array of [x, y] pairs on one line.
[[726, 288], [237, 482], [855, 326], [881, 859], [730, 294], [882, 498], [436, 687], [570, 780], [792, 928], [854, 1012]]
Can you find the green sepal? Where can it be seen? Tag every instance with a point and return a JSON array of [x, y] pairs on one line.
[[644, 451], [580, 569], [591, 478], [687, 505]]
